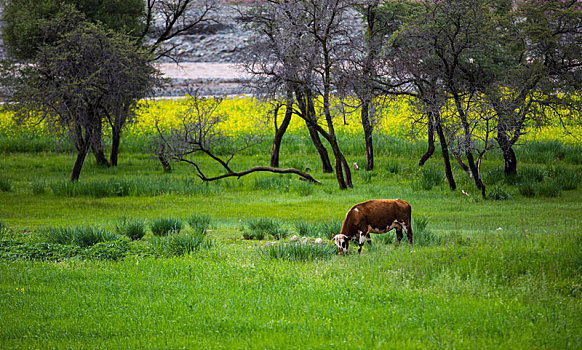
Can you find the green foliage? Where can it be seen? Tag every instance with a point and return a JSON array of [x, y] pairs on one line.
[[5, 185], [38, 187], [429, 177], [109, 250], [33, 23], [498, 193], [422, 236], [323, 229], [366, 176], [183, 243], [548, 189], [134, 229], [299, 252], [260, 228], [303, 188], [273, 183], [199, 224], [526, 189], [82, 236], [166, 226]]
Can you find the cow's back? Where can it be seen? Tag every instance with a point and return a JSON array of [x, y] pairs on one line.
[[377, 215]]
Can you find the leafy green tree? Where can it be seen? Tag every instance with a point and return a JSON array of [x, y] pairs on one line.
[[85, 76]]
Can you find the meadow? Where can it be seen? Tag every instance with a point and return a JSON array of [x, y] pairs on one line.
[[135, 257]]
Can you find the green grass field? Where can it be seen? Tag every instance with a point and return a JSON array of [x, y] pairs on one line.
[[483, 274]]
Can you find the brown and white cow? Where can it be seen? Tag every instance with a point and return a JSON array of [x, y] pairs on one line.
[[374, 216]]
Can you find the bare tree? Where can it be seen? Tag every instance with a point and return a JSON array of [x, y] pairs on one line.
[[298, 45], [168, 19], [198, 136]]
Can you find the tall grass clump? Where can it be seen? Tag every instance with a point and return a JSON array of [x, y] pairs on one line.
[[82, 236], [134, 229], [318, 229], [5, 185], [299, 252], [498, 193], [422, 236], [165, 226], [429, 178], [4, 229], [185, 243], [38, 187], [199, 224], [303, 188], [273, 183], [264, 227], [567, 179]]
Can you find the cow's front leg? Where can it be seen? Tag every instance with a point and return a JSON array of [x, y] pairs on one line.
[[361, 241]]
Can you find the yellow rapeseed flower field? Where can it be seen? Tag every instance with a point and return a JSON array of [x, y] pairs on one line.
[[243, 115]]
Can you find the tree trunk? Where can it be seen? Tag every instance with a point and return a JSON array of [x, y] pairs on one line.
[[81, 154], [368, 129], [509, 156], [429, 152], [307, 113], [446, 160], [97, 145], [115, 141], [280, 131]]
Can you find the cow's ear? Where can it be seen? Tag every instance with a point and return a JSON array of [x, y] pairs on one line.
[[333, 235]]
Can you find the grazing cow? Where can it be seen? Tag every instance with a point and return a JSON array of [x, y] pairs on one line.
[[374, 216]]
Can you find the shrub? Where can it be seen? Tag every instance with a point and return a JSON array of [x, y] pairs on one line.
[[165, 226], [262, 227], [499, 193], [134, 229], [299, 252], [199, 224], [5, 185], [82, 236]]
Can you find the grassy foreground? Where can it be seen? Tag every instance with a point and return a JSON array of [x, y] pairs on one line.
[[484, 273]]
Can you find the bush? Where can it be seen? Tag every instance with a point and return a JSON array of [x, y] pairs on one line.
[[82, 236], [262, 227], [499, 193], [165, 226], [199, 224], [134, 229], [300, 252]]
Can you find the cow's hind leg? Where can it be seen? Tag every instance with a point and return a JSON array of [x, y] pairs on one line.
[[399, 236], [408, 230]]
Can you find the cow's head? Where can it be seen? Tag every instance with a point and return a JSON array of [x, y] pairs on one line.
[[341, 242]]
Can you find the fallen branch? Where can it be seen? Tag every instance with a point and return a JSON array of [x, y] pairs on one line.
[[304, 176]]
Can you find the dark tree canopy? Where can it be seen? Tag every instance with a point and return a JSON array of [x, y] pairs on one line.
[[29, 24]]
